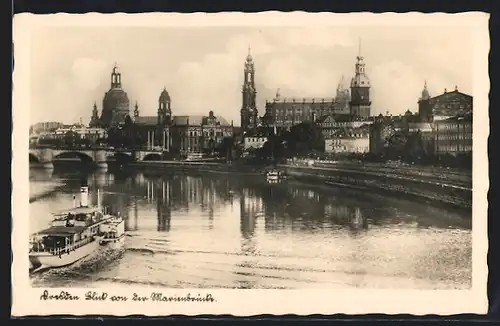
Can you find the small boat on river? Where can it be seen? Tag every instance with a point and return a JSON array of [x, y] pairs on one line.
[[74, 234], [274, 176]]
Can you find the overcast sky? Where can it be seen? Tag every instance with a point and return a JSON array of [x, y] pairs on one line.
[[202, 68]]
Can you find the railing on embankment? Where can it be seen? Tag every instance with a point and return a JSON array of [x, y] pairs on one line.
[[456, 193]]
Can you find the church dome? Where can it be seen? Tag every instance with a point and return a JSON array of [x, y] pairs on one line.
[[116, 95], [164, 96]]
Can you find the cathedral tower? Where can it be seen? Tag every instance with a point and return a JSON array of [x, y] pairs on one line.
[[360, 90], [249, 112], [164, 109], [94, 120], [115, 105]]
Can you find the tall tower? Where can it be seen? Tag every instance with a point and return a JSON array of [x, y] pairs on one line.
[[115, 105], [249, 111], [164, 109], [360, 90], [94, 120], [425, 93], [136, 110]]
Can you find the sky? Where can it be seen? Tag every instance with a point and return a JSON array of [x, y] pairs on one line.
[[202, 67]]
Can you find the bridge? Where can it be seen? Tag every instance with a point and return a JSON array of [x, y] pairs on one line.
[[98, 156]]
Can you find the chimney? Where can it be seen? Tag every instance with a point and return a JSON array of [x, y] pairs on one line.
[[84, 196], [445, 90]]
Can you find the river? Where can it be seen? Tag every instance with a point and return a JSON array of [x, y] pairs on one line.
[[227, 231]]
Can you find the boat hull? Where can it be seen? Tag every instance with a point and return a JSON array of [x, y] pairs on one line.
[[48, 260], [113, 243]]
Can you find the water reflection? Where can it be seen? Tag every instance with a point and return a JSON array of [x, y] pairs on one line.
[[234, 231]]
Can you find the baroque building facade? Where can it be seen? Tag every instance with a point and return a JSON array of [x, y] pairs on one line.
[[115, 104], [184, 134], [285, 113], [351, 101], [444, 106]]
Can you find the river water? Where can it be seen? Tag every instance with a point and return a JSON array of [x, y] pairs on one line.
[[226, 231]]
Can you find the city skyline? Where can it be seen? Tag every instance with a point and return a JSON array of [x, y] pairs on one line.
[[202, 68]]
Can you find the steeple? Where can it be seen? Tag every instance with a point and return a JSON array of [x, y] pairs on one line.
[[425, 92], [116, 77], [136, 110], [249, 56], [360, 88], [248, 110], [164, 109], [94, 119]]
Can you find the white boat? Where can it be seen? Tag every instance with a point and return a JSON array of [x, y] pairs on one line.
[[274, 176], [72, 235], [112, 233]]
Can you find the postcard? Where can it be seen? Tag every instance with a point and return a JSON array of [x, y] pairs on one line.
[[246, 164]]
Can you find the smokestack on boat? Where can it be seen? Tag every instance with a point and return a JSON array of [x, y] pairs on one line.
[[84, 193]]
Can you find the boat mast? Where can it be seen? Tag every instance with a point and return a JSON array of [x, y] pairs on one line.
[[98, 199]]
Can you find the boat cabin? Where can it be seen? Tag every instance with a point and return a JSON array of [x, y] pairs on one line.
[[69, 230]]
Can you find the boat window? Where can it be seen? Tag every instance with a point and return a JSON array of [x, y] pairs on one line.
[[82, 217]]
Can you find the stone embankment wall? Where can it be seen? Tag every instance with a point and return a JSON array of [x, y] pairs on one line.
[[451, 187]]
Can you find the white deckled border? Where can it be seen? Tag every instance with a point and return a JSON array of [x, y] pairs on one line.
[[251, 302]]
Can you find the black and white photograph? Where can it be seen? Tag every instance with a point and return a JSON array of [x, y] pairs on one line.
[[203, 157]]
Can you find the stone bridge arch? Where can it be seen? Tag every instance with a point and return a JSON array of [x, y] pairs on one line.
[[122, 157], [151, 157], [82, 155]]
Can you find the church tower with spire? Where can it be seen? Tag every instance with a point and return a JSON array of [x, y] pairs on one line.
[[425, 93], [94, 120], [136, 110], [360, 104], [164, 109], [249, 112]]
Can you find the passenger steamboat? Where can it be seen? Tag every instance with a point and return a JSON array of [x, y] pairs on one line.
[[74, 234]]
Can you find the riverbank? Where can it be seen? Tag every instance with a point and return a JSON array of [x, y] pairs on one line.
[[453, 189]]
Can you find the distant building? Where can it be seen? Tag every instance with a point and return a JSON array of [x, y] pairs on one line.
[[154, 131], [195, 134], [45, 127], [354, 141], [444, 106], [332, 125], [254, 142], [454, 135], [249, 112], [90, 135], [360, 105], [382, 129], [283, 113], [115, 105]]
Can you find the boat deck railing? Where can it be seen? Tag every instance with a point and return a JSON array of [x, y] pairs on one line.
[[63, 250]]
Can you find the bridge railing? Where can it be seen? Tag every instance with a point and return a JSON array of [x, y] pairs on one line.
[[107, 148]]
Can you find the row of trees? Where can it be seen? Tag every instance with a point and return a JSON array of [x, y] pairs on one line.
[[306, 140]]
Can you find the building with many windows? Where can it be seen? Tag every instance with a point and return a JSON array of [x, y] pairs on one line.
[[197, 133], [454, 135], [352, 140], [353, 103], [444, 106]]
